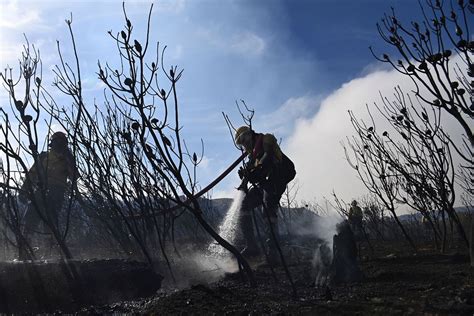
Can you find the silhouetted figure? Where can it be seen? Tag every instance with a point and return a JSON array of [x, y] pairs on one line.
[[45, 185], [345, 266], [269, 170], [355, 219], [356, 222]]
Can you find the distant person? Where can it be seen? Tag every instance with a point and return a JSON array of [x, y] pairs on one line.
[[46, 184], [356, 219], [269, 171], [425, 222]]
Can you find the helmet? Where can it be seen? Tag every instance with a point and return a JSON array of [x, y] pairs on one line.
[[58, 139], [240, 132], [354, 203]]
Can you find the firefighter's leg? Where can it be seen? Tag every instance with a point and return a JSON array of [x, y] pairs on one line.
[[251, 200], [31, 223], [273, 238], [54, 208], [55, 204], [272, 231]]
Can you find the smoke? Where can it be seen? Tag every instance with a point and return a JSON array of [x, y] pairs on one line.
[[322, 260], [315, 144], [214, 262], [323, 255], [325, 228], [197, 268]]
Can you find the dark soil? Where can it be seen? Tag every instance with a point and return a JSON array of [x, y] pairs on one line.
[[38, 287], [397, 282]]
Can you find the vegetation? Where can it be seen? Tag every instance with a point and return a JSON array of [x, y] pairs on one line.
[[136, 174], [135, 192], [414, 163]]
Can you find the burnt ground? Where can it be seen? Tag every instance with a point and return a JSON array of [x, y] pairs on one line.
[[397, 282]]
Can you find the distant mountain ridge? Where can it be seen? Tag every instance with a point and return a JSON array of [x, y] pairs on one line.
[[417, 216]]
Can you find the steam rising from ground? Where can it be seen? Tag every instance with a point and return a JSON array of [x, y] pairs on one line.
[[197, 268], [213, 263], [325, 228]]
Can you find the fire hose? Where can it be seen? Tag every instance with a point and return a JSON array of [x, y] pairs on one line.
[[198, 194]]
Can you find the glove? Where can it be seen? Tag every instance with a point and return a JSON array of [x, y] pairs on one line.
[[241, 172], [255, 175], [243, 186]]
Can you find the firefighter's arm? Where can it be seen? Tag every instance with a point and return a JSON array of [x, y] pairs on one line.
[[263, 159], [249, 173], [269, 146], [255, 174]]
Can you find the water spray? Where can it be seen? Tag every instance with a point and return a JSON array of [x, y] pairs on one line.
[[229, 226]]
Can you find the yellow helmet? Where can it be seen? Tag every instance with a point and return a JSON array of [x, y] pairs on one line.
[[240, 132]]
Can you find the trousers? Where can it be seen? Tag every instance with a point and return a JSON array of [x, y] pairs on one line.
[[267, 196]]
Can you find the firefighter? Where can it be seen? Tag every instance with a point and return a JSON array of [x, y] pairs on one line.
[[355, 219], [269, 171], [45, 185]]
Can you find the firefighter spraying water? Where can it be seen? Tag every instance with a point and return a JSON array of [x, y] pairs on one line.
[[268, 171]]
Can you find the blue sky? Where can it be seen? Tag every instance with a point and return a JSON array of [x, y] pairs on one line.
[[285, 58]]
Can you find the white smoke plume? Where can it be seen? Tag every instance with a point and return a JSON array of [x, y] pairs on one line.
[[315, 144]]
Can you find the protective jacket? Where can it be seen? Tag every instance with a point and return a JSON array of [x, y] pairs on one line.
[[355, 213], [272, 165], [54, 167], [271, 170]]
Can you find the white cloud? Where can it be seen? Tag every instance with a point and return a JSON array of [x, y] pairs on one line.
[[248, 43], [241, 42], [99, 86], [174, 6], [207, 35], [10, 54], [19, 19], [176, 52], [205, 161], [281, 121], [15, 17]]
